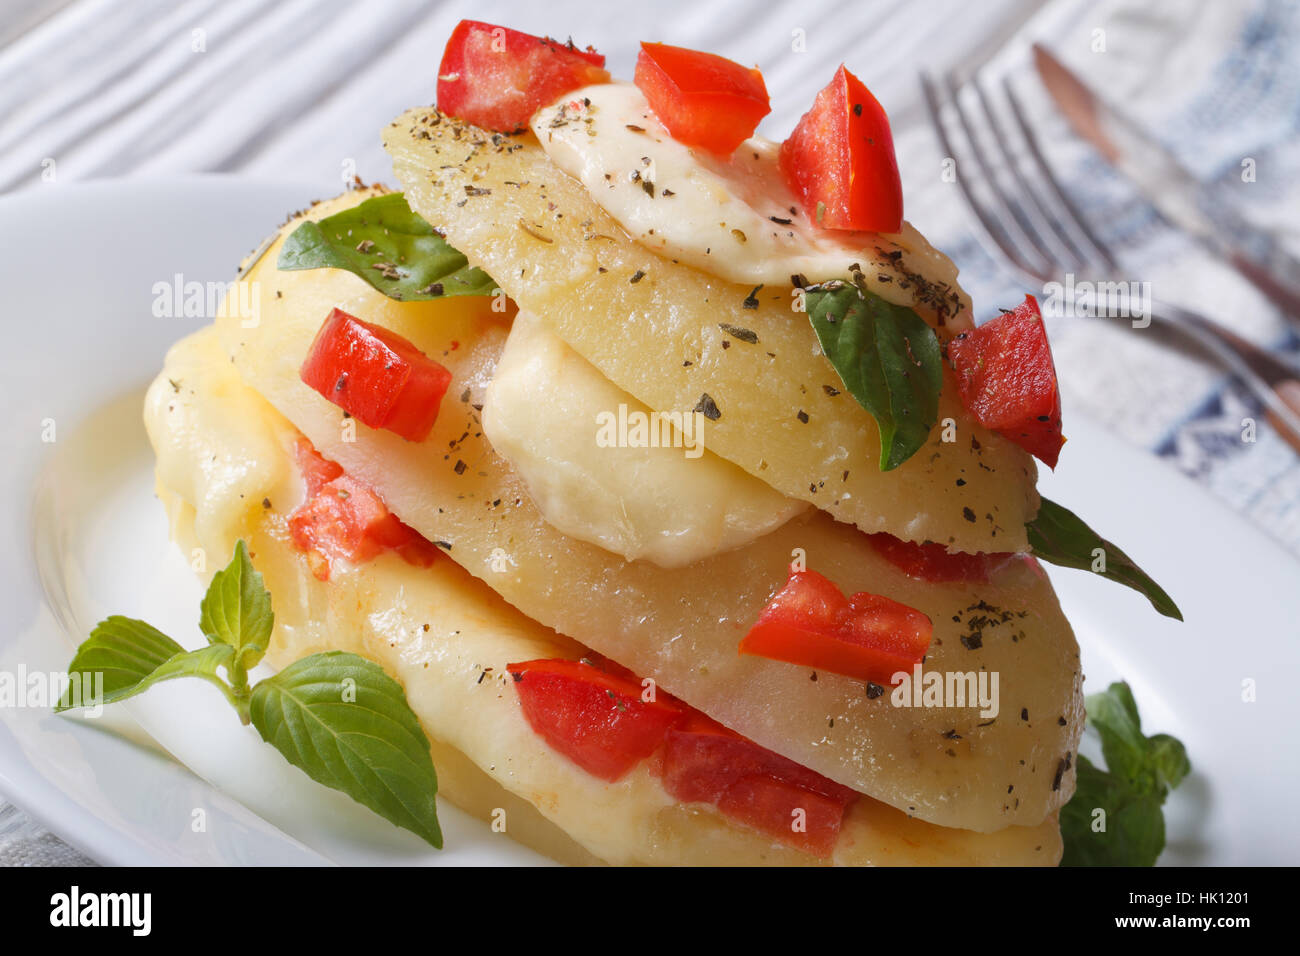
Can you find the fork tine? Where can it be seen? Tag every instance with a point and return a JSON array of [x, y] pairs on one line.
[[994, 234], [1068, 215], [1040, 221], [986, 229], [1026, 246]]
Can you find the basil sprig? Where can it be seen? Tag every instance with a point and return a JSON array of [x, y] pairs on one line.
[[384, 242], [888, 359], [366, 743], [1059, 536], [1130, 792], [336, 716], [236, 611]]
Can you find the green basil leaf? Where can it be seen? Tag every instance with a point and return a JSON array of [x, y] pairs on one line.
[[1059, 536], [1150, 764], [125, 651], [888, 359], [133, 656], [1169, 760], [1114, 715], [392, 248], [1135, 823], [346, 724], [1140, 772], [237, 609], [201, 663]]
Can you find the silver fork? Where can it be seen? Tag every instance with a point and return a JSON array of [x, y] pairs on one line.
[[1038, 235]]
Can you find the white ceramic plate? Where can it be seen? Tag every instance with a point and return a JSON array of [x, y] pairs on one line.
[[81, 536]]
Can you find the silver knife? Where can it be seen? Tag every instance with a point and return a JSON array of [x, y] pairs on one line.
[[1167, 184]]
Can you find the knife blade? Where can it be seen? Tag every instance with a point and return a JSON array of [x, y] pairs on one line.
[[1168, 185]]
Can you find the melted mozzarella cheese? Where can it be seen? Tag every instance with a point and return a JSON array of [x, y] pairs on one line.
[[220, 454], [601, 467], [735, 218]]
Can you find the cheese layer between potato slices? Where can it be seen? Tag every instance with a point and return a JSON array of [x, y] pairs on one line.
[[224, 453], [653, 327], [682, 626]]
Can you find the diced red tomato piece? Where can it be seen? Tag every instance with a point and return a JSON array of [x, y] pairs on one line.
[[702, 758], [806, 820], [343, 518], [1031, 562], [376, 376], [702, 99], [498, 78], [866, 636], [416, 549], [935, 563], [840, 160], [596, 719], [1007, 380], [316, 469], [592, 711], [615, 669], [705, 762]]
